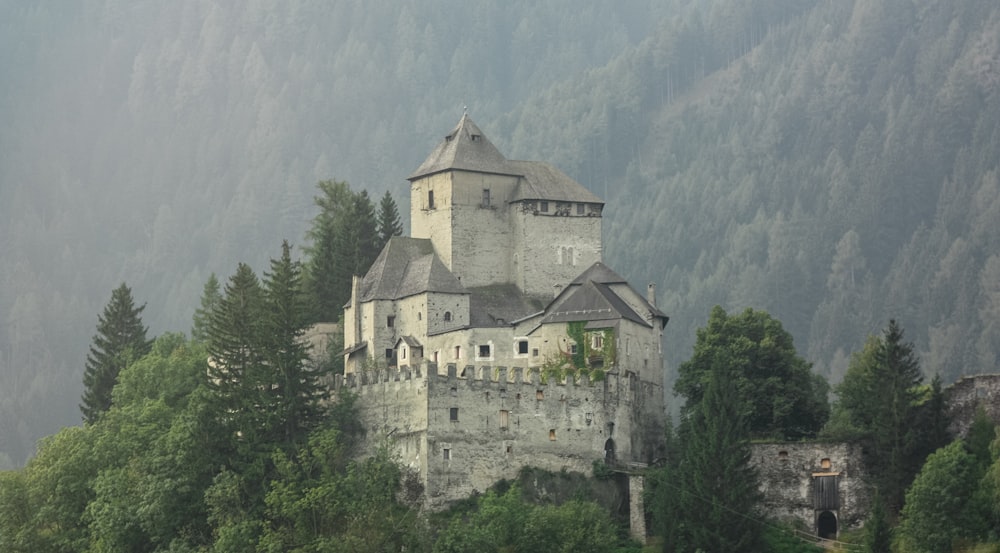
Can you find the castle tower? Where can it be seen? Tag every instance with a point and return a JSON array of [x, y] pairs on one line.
[[486, 215]]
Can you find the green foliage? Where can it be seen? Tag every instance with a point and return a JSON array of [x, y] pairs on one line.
[[504, 522], [343, 242], [781, 397], [945, 505], [210, 298], [878, 532], [784, 540], [880, 399], [120, 340], [717, 483], [389, 223]]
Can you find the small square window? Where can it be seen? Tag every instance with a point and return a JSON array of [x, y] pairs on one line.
[[484, 351], [572, 349], [453, 414], [390, 321], [543, 207], [454, 391], [579, 209], [825, 463], [534, 352], [522, 347], [539, 394]]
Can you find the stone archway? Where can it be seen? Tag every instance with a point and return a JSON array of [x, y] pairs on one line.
[[609, 452], [826, 525]]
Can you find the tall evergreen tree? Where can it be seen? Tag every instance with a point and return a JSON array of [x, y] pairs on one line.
[[210, 297], [343, 242], [120, 339], [389, 224], [881, 398], [718, 484], [296, 390], [235, 348]]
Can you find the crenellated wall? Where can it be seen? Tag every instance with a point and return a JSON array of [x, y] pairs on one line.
[[465, 429]]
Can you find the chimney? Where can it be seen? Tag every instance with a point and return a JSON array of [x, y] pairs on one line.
[[651, 294]]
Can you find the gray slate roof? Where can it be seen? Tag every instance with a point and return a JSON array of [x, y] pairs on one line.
[[467, 148], [590, 297], [499, 305], [407, 266]]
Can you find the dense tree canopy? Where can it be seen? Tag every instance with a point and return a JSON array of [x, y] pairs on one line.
[[781, 396]]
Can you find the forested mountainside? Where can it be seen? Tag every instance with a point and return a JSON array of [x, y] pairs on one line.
[[831, 162], [835, 167]]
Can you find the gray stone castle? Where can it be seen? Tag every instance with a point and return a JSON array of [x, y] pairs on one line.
[[494, 337]]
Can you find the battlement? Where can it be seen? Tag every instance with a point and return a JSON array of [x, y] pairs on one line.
[[481, 375]]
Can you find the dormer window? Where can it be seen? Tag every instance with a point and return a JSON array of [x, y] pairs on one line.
[[475, 137]]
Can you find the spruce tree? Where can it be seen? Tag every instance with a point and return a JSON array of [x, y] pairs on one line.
[[389, 224], [120, 339], [210, 297], [296, 390], [236, 362], [718, 485]]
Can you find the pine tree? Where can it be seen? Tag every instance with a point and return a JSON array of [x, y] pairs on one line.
[[296, 390], [235, 348], [389, 224], [718, 484], [210, 297], [120, 339]]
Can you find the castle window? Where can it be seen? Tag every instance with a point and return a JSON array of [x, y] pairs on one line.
[[447, 316], [543, 207], [579, 209], [486, 197], [825, 463], [453, 414], [402, 353], [597, 341], [388, 353], [446, 454], [458, 352], [539, 394], [552, 434], [390, 321], [510, 449], [420, 316], [572, 349], [534, 352], [430, 199], [484, 350], [522, 347], [504, 419], [454, 391], [475, 137]]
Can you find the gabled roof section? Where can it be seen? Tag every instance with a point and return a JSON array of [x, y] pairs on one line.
[[593, 302], [600, 273], [542, 181], [407, 266], [500, 305], [465, 148]]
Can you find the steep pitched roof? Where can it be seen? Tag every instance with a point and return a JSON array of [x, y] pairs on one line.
[[467, 148], [542, 181], [499, 305], [592, 296], [593, 301], [407, 266]]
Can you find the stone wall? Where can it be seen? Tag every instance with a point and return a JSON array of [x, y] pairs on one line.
[[466, 429], [969, 393], [788, 471]]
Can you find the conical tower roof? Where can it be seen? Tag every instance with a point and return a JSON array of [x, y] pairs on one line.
[[465, 148]]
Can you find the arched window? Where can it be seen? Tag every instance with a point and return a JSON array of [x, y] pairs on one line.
[[447, 316]]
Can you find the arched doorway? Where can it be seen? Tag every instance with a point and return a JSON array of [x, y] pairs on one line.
[[826, 525], [609, 452]]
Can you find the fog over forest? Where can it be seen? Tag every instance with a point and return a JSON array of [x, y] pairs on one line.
[[833, 162]]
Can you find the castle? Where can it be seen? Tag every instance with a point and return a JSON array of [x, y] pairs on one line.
[[494, 337]]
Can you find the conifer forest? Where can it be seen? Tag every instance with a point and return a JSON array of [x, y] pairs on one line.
[[812, 185]]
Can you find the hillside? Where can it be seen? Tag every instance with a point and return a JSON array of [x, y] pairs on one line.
[[831, 162]]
